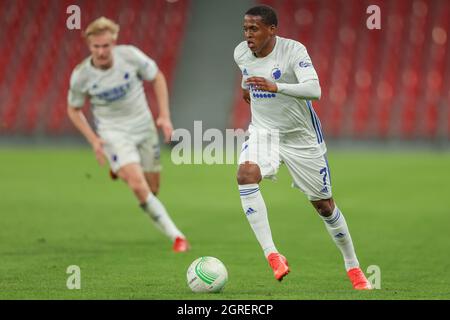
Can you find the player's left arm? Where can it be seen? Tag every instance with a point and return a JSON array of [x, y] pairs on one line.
[[308, 86], [162, 96], [309, 89]]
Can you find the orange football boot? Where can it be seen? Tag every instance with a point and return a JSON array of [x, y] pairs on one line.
[[279, 265], [358, 279], [181, 245]]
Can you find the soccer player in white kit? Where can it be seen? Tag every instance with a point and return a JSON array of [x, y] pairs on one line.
[[279, 81], [111, 78]]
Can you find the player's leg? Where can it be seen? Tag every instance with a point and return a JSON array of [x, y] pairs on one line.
[[149, 153], [134, 177], [123, 156], [164, 222], [312, 176], [249, 176], [338, 229], [152, 179]]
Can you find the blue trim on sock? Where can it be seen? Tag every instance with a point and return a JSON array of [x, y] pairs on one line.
[[338, 215], [247, 192]]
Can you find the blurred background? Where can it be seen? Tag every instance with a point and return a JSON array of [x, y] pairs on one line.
[[382, 85]]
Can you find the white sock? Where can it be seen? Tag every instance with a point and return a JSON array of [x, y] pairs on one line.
[[160, 217], [256, 212], [337, 228]]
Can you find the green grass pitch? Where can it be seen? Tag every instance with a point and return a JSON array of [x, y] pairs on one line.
[[58, 208]]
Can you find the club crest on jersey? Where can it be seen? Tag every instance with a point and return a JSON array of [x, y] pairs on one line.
[[276, 73]]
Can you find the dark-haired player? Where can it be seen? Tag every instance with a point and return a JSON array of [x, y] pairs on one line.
[[279, 81]]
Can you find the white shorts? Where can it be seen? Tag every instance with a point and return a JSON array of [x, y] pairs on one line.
[[310, 174], [123, 148]]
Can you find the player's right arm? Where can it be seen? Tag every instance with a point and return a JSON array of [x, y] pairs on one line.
[[79, 120], [76, 99], [239, 53]]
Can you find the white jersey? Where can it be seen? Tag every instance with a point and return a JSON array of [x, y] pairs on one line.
[[116, 94], [288, 62]]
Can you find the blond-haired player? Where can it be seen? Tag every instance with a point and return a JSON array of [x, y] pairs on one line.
[[111, 78]]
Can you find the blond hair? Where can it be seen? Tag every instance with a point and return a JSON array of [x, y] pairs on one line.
[[101, 25]]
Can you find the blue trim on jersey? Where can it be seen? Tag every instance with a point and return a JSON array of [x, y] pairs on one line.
[[318, 123], [314, 122], [319, 126]]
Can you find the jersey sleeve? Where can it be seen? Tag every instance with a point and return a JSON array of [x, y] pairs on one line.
[[76, 97], [302, 65], [243, 84], [147, 67], [238, 56]]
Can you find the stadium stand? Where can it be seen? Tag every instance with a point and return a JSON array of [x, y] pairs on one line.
[[38, 54], [376, 84]]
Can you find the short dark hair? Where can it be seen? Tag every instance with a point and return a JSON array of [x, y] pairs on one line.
[[267, 14]]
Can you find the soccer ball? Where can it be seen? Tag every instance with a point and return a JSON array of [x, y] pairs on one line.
[[207, 274]]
